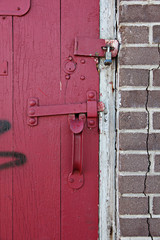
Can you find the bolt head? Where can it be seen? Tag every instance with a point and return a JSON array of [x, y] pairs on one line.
[[18, 8], [82, 77], [91, 122], [83, 61], [91, 95], [31, 112], [32, 120], [67, 77], [70, 58], [71, 180], [32, 103]]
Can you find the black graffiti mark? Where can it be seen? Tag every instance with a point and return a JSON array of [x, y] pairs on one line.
[[20, 158], [4, 126]]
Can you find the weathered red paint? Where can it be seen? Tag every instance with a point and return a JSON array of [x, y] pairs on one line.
[[4, 68], [14, 7], [94, 47], [76, 177], [91, 108], [38, 201]]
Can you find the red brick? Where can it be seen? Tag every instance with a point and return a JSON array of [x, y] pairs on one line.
[[132, 120], [133, 99], [133, 227], [155, 227], [133, 162], [131, 184], [156, 205], [132, 141], [156, 77], [156, 120], [153, 184], [157, 163], [135, 184], [133, 77], [134, 34], [139, 13], [154, 141], [156, 34], [133, 205], [154, 99], [139, 56]]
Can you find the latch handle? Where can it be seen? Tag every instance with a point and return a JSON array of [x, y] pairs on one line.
[[76, 178]]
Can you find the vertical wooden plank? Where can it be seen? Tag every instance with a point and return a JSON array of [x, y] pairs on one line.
[[36, 204], [79, 207], [6, 128]]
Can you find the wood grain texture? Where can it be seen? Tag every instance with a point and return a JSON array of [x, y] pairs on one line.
[[37, 202], [79, 207], [36, 185], [6, 129]]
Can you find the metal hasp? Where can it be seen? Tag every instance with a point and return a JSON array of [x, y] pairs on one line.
[[91, 107], [77, 118], [90, 47], [14, 8]]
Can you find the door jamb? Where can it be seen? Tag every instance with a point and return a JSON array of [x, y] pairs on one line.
[[107, 126]]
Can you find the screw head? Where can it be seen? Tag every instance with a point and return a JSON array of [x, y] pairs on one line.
[[32, 103], [4, 71], [31, 112], [70, 58], [71, 180], [18, 8], [67, 77], [82, 77], [91, 122], [83, 61], [91, 95], [32, 120]]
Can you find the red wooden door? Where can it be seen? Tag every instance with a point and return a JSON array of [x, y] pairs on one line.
[[37, 200]]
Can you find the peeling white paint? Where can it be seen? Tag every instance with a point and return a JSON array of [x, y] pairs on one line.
[[107, 229]]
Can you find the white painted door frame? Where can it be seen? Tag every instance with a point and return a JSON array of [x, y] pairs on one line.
[[107, 153]]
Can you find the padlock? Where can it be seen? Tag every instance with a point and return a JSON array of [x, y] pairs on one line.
[[108, 56]]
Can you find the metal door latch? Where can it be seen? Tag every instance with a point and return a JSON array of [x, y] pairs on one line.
[[91, 107], [77, 116], [99, 48]]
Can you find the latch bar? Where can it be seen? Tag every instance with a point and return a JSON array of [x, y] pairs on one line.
[[91, 107], [53, 110]]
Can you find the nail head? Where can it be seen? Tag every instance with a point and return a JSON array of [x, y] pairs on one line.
[[32, 120], [82, 77]]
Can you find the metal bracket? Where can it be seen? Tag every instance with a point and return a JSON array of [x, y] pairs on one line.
[[14, 8], [90, 47], [91, 107]]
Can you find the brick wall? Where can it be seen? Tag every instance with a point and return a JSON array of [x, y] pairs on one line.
[[138, 119]]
